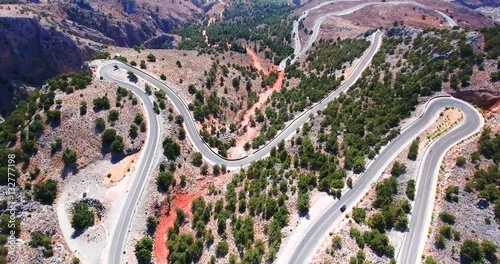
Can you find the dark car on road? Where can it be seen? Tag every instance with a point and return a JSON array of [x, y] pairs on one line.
[[342, 209]]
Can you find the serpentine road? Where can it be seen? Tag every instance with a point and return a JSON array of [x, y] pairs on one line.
[[426, 183], [315, 235], [299, 51], [107, 70]]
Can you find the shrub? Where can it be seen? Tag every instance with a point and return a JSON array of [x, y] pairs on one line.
[[170, 148], [413, 152], [38, 239], [222, 249], [471, 252], [410, 189], [100, 124], [359, 214], [151, 57], [113, 115], [452, 194], [197, 159], [151, 224], [101, 103], [164, 180], [83, 108], [133, 130], [82, 216], [46, 191], [461, 160], [117, 145], [489, 249], [440, 241], [108, 136], [54, 117], [69, 157], [143, 249], [447, 218], [138, 119], [398, 169]]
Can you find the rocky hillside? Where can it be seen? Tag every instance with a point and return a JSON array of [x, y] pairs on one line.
[[479, 3], [43, 38], [31, 53]]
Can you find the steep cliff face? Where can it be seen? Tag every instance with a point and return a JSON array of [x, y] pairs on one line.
[[123, 33], [31, 53]]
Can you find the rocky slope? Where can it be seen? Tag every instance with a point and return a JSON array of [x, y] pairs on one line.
[[39, 39], [31, 53]]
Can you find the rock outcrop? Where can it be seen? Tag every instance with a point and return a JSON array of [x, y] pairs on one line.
[[121, 33], [31, 53]]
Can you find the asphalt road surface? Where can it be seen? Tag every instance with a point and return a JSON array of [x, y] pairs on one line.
[[106, 69], [149, 154], [321, 226], [413, 244], [299, 51], [145, 163]]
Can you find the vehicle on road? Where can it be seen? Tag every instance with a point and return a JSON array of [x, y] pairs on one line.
[[342, 209]]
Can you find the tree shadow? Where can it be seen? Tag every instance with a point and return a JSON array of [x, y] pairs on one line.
[[68, 170], [77, 233]]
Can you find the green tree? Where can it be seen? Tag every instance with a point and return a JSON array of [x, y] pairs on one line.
[[46, 191], [82, 216], [108, 136], [143, 249], [83, 108], [413, 152], [398, 169], [489, 249], [359, 214], [471, 252], [410, 189], [197, 159], [447, 218], [170, 148], [222, 249], [101, 103], [151, 224], [113, 115], [69, 156], [117, 145], [164, 180], [151, 57], [100, 124]]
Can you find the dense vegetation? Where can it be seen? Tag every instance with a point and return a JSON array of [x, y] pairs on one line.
[[264, 23], [330, 55], [492, 41], [487, 181]]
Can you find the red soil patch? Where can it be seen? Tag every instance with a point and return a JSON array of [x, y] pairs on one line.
[[252, 132], [182, 201]]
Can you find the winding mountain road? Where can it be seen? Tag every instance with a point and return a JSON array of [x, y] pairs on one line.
[[316, 234], [107, 70], [413, 246], [299, 51]]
